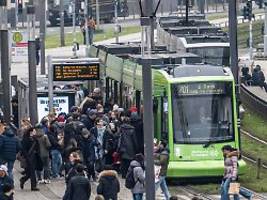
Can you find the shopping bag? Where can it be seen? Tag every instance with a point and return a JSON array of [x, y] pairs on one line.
[[157, 172], [234, 188]]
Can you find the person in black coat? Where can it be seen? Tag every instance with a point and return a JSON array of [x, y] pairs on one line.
[[9, 147], [88, 119], [79, 186], [30, 149], [71, 166], [137, 123], [128, 145], [109, 185], [87, 145]]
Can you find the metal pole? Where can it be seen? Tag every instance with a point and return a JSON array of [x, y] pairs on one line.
[[32, 65], [250, 41], [233, 38], [234, 54], [13, 14], [97, 15], [5, 61], [148, 104], [116, 21], [50, 83], [202, 6], [42, 10], [186, 11], [86, 27], [62, 33], [265, 29], [74, 29]]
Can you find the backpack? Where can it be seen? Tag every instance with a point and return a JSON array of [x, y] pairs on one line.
[[130, 181]]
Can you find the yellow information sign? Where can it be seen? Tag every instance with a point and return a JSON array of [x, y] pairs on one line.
[[17, 37]]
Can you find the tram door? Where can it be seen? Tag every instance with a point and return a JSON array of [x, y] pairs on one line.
[[165, 119]]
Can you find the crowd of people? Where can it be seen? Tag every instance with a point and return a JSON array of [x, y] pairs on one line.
[[93, 143]]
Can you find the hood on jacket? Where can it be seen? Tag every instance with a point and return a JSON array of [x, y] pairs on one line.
[[39, 132], [108, 174], [9, 132], [134, 117], [134, 163], [126, 126]]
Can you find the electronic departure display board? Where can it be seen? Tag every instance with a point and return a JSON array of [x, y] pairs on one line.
[[201, 88], [76, 71]]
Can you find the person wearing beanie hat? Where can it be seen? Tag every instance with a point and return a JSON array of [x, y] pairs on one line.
[[88, 119], [4, 179]]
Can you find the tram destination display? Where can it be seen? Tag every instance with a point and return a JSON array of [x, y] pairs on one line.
[[76, 71], [205, 88]]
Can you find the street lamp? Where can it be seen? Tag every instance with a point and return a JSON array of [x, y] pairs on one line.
[[32, 63], [5, 61]]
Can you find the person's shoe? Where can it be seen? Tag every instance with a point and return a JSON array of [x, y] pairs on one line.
[[41, 181], [35, 189], [47, 181]]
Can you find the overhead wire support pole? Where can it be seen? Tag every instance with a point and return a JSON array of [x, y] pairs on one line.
[[265, 28], [32, 65], [62, 31], [97, 15], [42, 10], [233, 38], [86, 16], [74, 29], [116, 22], [5, 61], [250, 40], [147, 23], [234, 53]]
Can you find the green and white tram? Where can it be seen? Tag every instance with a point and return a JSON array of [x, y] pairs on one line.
[[194, 110]]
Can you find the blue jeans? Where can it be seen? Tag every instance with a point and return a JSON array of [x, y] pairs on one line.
[[138, 196], [10, 166], [56, 162], [163, 185], [225, 187]]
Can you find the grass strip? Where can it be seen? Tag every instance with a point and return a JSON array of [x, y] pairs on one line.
[[253, 148], [53, 41], [254, 124], [243, 33]]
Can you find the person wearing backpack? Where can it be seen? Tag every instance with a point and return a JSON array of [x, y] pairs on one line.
[[135, 178]]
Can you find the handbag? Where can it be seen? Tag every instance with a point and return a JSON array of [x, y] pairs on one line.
[[234, 188]]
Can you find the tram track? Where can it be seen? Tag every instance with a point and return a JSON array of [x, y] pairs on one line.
[[191, 192], [255, 194], [253, 160], [252, 136]]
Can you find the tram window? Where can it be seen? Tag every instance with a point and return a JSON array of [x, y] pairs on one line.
[[203, 118], [164, 127], [213, 55]]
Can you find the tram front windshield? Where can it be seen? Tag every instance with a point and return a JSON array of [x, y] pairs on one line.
[[202, 112], [213, 55]]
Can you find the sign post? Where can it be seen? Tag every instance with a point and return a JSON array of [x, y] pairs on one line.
[[19, 46]]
